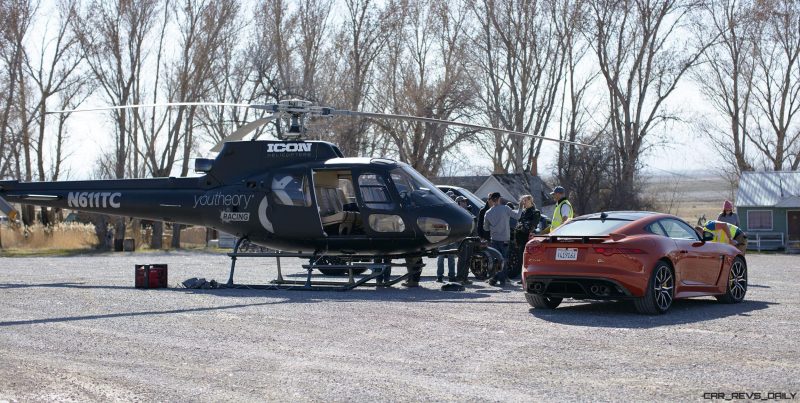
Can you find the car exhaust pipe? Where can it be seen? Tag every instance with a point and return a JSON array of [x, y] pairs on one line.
[[538, 288], [600, 290]]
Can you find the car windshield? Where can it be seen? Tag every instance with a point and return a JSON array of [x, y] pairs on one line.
[[415, 190], [589, 227]]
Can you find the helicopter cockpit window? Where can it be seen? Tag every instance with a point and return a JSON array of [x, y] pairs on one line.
[[415, 190], [374, 192], [291, 190]]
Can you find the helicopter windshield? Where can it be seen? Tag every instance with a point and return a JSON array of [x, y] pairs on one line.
[[415, 190]]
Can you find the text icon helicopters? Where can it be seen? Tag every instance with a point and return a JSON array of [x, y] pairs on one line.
[[290, 195]]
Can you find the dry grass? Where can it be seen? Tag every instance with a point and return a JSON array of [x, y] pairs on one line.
[[61, 236], [689, 196]]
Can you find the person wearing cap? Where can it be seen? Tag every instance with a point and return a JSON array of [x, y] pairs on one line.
[[496, 222], [563, 211], [727, 215]]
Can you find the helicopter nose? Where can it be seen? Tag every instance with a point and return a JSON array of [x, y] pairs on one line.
[[461, 224]]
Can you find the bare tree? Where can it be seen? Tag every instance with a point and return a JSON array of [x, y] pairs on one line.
[[53, 73], [168, 137], [360, 40], [114, 37], [726, 77], [521, 66], [777, 85], [642, 56], [15, 120], [425, 73]]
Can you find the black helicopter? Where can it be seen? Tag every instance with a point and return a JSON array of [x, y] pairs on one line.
[[289, 195]]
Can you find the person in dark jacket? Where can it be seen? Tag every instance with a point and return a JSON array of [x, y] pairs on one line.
[[484, 234], [526, 225]]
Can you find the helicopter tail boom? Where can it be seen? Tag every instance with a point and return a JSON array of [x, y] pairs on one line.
[[157, 199]]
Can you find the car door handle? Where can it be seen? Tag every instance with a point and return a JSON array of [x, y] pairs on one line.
[[683, 251]]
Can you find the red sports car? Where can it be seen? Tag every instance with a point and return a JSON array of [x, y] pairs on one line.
[[650, 258]]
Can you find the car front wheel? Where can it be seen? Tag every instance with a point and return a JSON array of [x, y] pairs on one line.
[[737, 283], [660, 291]]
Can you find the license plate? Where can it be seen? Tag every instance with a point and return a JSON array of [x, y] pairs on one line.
[[566, 254]]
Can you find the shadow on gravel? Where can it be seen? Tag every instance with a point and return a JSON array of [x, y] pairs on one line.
[[131, 314], [61, 285], [283, 296], [393, 294], [622, 314]]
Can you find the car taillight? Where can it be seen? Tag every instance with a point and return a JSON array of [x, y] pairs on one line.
[[607, 251], [534, 248]]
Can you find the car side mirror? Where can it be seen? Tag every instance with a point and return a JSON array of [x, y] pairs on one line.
[[707, 236]]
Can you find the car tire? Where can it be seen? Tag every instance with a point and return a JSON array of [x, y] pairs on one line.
[[660, 291], [737, 283], [542, 302]]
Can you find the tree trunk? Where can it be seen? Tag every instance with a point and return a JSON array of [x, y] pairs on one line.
[[176, 235], [157, 240]]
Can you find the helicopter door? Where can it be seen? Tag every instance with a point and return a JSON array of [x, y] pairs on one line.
[[291, 208], [336, 203], [381, 212]]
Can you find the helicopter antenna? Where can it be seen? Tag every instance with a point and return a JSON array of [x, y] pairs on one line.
[[296, 110]]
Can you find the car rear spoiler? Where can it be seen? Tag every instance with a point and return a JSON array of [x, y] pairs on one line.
[[583, 239]]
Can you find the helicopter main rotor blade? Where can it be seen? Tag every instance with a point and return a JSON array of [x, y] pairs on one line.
[[244, 130], [165, 104], [448, 122]]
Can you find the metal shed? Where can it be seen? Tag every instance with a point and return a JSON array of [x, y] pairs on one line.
[[768, 205]]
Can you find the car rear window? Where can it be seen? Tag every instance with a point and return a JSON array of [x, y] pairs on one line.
[[591, 227]]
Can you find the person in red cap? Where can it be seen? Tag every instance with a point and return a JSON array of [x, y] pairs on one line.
[[728, 215]]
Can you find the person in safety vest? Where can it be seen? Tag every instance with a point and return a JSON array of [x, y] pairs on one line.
[[726, 233], [563, 211]]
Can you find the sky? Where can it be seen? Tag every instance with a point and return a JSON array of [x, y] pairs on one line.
[[684, 150]]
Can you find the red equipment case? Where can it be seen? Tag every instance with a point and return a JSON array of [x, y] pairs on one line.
[[151, 276]]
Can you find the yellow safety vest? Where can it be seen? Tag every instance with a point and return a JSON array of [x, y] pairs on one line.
[[719, 234], [556, 222]]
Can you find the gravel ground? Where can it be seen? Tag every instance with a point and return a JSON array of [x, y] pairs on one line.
[[74, 328]]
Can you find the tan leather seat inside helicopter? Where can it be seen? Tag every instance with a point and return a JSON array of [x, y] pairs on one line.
[[330, 201]]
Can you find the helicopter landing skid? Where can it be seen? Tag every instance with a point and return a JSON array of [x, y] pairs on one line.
[[378, 271]]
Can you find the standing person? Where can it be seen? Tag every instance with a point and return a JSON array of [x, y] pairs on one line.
[[386, 275], [414, 266], [526, 225], [563, 211], [467, 248], [451, 264], [727, 215], [481, 214], [496, 222]]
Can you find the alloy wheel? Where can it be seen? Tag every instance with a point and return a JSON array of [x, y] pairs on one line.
[[662, 287], [737, 280]]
